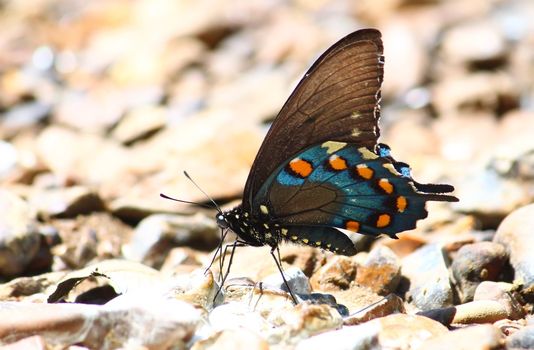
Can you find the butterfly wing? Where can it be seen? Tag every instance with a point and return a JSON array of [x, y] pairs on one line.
[[336, 100], [335, 184]]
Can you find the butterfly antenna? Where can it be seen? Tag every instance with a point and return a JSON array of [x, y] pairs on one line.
[[204, 193], [163, 195]]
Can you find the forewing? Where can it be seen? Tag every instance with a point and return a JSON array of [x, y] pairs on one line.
[[337, 99]]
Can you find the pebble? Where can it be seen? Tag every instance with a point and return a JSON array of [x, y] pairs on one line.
[[391, 304], [479, 337], [158, 323], [397, 331], [304, 320], [494, 93], [139, 123], [515, 234], [479, 43], [18, 234], [88, 237], [380, 271], [426, 271], [66, 202], [337, 274], [156, 235], [9, 158], [503, 293], [474, 263], [480, 311], [297, 280], [523, 339]]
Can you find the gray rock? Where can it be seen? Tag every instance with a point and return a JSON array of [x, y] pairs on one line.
[[19, 239], [66, 202], [426, 270], [475, 263], [523, 339], [515, 234], [297, 280], [156, 235]]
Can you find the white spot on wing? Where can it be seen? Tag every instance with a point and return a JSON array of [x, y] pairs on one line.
[[366, 154], [333, 146]]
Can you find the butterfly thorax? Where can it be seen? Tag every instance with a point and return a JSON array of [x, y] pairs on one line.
[[249, 229]]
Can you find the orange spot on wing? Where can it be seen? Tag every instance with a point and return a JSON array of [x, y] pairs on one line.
[[402, 203], [386, 185], [364, 171], [383, 220], [337, 163], [353, 226], [301, 167]]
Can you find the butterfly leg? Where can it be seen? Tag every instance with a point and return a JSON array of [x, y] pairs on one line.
[[218, 251], [237, 243], [279, 265]]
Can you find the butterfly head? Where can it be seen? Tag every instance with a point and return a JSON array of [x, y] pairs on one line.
[[222, 222]]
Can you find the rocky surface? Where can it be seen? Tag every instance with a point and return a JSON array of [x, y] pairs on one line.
[[103, 106]]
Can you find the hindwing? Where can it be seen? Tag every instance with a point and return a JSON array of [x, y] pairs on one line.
[[347, 186]]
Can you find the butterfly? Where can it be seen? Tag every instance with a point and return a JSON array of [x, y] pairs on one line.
[[321, 168]]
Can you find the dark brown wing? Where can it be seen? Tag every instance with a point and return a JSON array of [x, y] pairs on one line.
[[337, 100]]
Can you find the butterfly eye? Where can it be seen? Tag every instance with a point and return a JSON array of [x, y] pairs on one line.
[[221, 221]]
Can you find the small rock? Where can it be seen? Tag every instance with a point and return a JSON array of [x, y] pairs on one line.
[[481, 311], [523, 339], [392, 332], [426, 270], [336, 274], [479, 337], [297, 280], [9, 158], [22, 116], [254, 263], [305, 320], [493, 93], [66, 202], [22, 287], [504, 294], [308, 259], [139, 123], [515, 234], [197, 288], [380, 272], [392, 304], [19, 239], [232, 339], [182, 259], [444, 315], [478, 43], [156, 235], [83, 157], [475, 263], [509, 327], [85, 238], [356, 298], [158, 323]]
